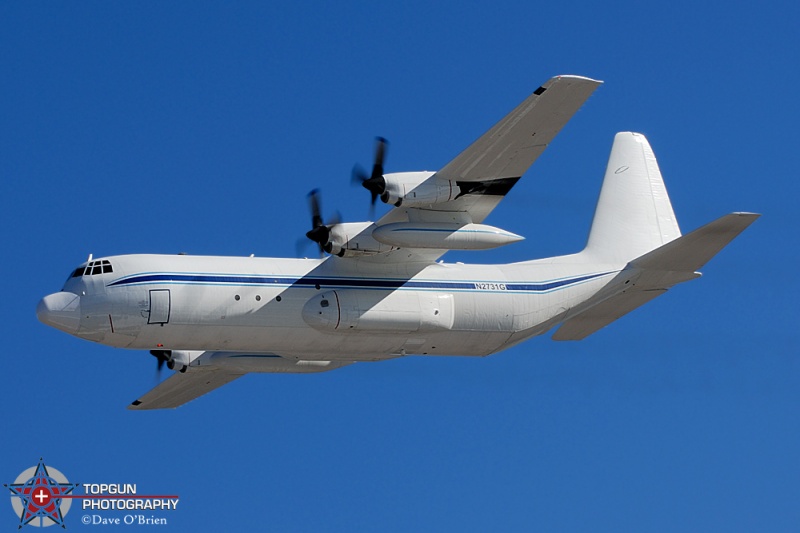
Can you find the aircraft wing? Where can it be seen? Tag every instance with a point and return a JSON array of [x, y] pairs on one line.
[[511, 146], [491, 165], [215, 369], [180, 388]]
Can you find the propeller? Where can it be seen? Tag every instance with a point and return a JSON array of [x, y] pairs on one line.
[[163, 356], [320, 232], [375, 182]]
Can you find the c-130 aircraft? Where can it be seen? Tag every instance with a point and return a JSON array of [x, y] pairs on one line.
[[382, 291]]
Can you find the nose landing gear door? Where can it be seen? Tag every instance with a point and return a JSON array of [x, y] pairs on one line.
[[159, 306]]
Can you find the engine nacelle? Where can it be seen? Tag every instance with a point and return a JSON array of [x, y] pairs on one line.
[[354, 239], [412, 189], [179, 360], [369, 311]]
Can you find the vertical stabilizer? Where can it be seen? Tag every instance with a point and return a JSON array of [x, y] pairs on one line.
[[634, 214]]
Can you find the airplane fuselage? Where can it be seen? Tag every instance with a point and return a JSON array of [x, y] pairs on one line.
[[322, 309]]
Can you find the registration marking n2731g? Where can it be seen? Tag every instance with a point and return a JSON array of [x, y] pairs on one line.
[[490, 286]]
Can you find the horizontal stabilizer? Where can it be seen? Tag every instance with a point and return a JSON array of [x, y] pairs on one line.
[[184, 387], [692, 251], [652, 274], [603, 314]]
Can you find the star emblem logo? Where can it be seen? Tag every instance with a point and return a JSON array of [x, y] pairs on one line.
[[38, 493]]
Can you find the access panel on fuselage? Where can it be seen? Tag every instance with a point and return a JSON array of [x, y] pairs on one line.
[[159, 306]]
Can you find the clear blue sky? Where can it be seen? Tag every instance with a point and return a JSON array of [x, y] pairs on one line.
[[199, 127]]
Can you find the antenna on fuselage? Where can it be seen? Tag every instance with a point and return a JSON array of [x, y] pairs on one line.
[[90, 259]]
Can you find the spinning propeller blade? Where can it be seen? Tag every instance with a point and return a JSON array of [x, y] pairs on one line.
[[163, 356], [375, 183], [320, 232]]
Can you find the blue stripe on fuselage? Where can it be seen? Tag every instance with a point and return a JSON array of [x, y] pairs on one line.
[[354, 283]]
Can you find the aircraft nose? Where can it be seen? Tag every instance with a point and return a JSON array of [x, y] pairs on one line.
[[61, 310]]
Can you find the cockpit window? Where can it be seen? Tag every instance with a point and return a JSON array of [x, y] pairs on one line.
[[95, 267]]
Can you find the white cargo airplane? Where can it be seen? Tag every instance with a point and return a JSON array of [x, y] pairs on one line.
[[382, 293]]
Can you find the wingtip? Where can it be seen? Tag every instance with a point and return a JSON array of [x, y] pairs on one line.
[[578, 81], [744, 217], [576, 77]]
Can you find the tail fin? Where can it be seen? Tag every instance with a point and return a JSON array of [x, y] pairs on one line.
[[634, 225], [634, 214]]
